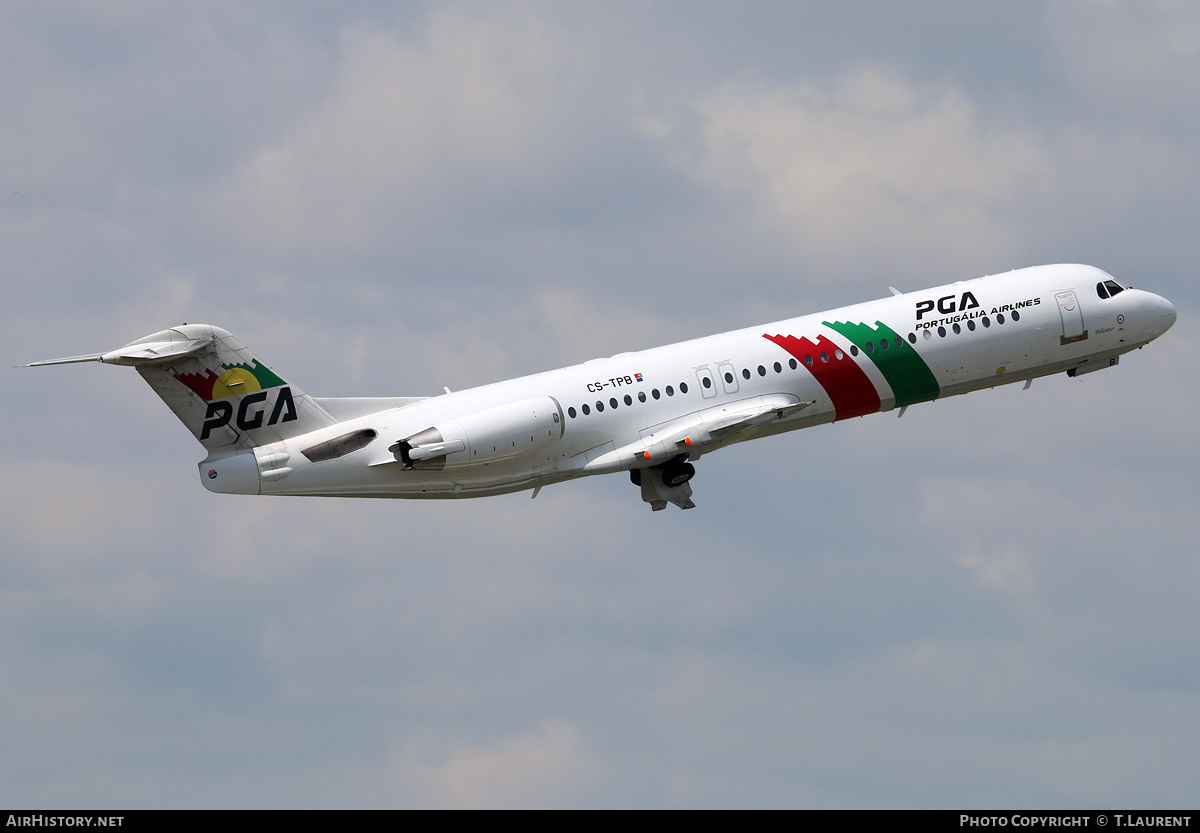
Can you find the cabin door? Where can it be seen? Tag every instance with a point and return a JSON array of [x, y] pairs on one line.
[[1072, 317]]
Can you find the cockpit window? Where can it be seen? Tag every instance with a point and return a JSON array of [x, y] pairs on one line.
[[1101, 291], [1113, 287]]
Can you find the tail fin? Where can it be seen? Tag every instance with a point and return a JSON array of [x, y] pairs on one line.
[[226, 396]]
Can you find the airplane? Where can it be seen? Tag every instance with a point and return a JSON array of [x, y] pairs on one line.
[[651, 413]]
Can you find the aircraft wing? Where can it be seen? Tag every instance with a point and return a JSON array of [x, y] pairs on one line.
[[693, 434], [717, 425]]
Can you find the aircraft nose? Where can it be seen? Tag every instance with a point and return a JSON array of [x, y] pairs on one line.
[[1167, 312], [1153, 314]]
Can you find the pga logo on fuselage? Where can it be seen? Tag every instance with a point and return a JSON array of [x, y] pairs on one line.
[[947, 304], [249, 413]]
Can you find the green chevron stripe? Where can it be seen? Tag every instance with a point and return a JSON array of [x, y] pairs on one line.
[[910, 378], [266, 378]]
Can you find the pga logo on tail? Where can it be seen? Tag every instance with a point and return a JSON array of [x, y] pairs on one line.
[[252, 379], [219, 413]]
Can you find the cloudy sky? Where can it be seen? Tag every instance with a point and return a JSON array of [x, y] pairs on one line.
[[989, 603]]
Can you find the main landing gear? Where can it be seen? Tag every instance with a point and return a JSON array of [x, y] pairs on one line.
[[666, 483]]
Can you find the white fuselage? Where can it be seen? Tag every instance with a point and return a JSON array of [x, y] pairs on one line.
[[632, 410]]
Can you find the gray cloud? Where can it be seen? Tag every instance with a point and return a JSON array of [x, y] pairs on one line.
[[987, 602]]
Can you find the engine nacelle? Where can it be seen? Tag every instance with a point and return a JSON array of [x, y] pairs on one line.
[[483, 437]]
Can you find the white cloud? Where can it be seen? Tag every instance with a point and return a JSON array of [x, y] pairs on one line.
[[414, 128], [1131, 58], [53, 513], [871, 166], [547, 767], [1006, 570], [847, 614]]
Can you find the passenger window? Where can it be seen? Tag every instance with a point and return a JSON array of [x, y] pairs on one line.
[[641, 396], [971, 325], [746, 373], [707, 382], [883, 344], [1000, 318], [808, 362], [1016, 316], [762, 371], [942, 332], [586, 410], [670, 390], [838, 354], [778, 367], [912, 338], [683, 387], [957, 329], [655, 393], [824, 357], [853, 350], [869, 347], [729, 378], [986, 322], [599, 407], [792, 364], [571, 413]]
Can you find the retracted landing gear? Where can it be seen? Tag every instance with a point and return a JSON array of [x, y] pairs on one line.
[[666, 483]]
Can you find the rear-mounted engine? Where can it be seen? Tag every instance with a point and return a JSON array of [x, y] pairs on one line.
[[487, 436]]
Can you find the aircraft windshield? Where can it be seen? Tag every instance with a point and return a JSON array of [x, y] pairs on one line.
[[1108, 288]]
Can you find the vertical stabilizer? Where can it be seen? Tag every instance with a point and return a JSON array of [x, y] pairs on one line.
[[225, 395]]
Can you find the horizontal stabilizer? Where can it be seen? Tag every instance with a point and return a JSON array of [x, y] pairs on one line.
[[140, 354], [91, 357], [157, 352]]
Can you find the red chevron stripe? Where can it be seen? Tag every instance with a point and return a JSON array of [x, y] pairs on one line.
[[849, 388], [202, 384]]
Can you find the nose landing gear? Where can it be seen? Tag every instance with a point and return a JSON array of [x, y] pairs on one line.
[[666, 483]]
